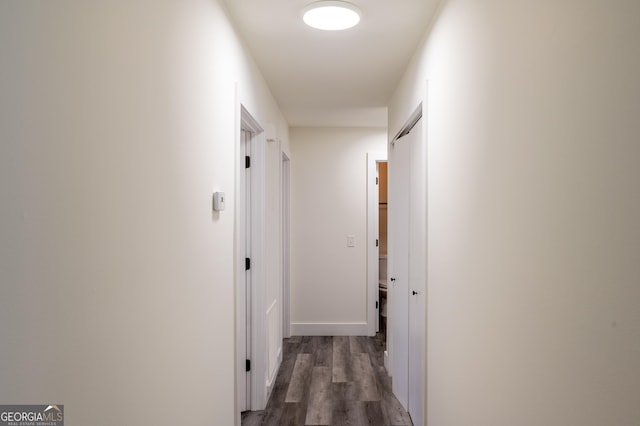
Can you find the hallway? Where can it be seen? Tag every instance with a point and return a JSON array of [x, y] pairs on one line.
[[121, 123], [331, 381]]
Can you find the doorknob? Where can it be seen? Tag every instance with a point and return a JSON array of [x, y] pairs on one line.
[[392, 279], [415, 292]]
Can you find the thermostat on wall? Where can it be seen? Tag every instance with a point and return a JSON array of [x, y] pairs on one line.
[[218, 201]]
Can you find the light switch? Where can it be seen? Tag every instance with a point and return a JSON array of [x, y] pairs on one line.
[[351, 240]]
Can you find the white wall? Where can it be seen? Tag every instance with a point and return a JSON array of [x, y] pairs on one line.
[[534, 245], [329, 202], [117, 122]]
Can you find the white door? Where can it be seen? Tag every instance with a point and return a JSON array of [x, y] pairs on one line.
[[407, 267], [244, 294], [417, 273], [250, 288], [398, 269]]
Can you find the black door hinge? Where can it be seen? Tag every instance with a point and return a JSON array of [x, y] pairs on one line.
[[376, 181], [376, 242], [247, 162], [248, 365], [376, 304], [247, 263]]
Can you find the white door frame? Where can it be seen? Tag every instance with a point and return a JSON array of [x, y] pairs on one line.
[[286, 246], [373, 308], [255, 332]]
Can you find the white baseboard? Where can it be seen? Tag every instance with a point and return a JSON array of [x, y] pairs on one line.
[[329, 329]]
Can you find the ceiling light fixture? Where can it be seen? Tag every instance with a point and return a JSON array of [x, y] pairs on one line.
[[331, 15]]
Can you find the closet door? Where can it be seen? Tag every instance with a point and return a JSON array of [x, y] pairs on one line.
[[417, 273], [407, 264], [398, 269]]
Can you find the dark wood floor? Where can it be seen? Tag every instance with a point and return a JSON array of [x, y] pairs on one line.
[[331, 381]]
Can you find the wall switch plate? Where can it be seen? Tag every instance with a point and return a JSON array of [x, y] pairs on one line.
[[351, 240]]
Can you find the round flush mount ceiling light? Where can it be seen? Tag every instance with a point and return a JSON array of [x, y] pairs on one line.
[[331, 15]]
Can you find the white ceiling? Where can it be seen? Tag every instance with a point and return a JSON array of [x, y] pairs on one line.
[[332, 78]]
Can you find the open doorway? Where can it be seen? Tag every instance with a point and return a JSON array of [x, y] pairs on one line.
[[377, 242], [382, 248]]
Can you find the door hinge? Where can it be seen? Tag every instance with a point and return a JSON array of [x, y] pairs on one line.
[[376, 181], [376, 304], [247, 263], [376, 242], [247, 162], [247, 365]]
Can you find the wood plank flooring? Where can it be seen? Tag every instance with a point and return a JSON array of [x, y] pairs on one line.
[[331, 381]]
